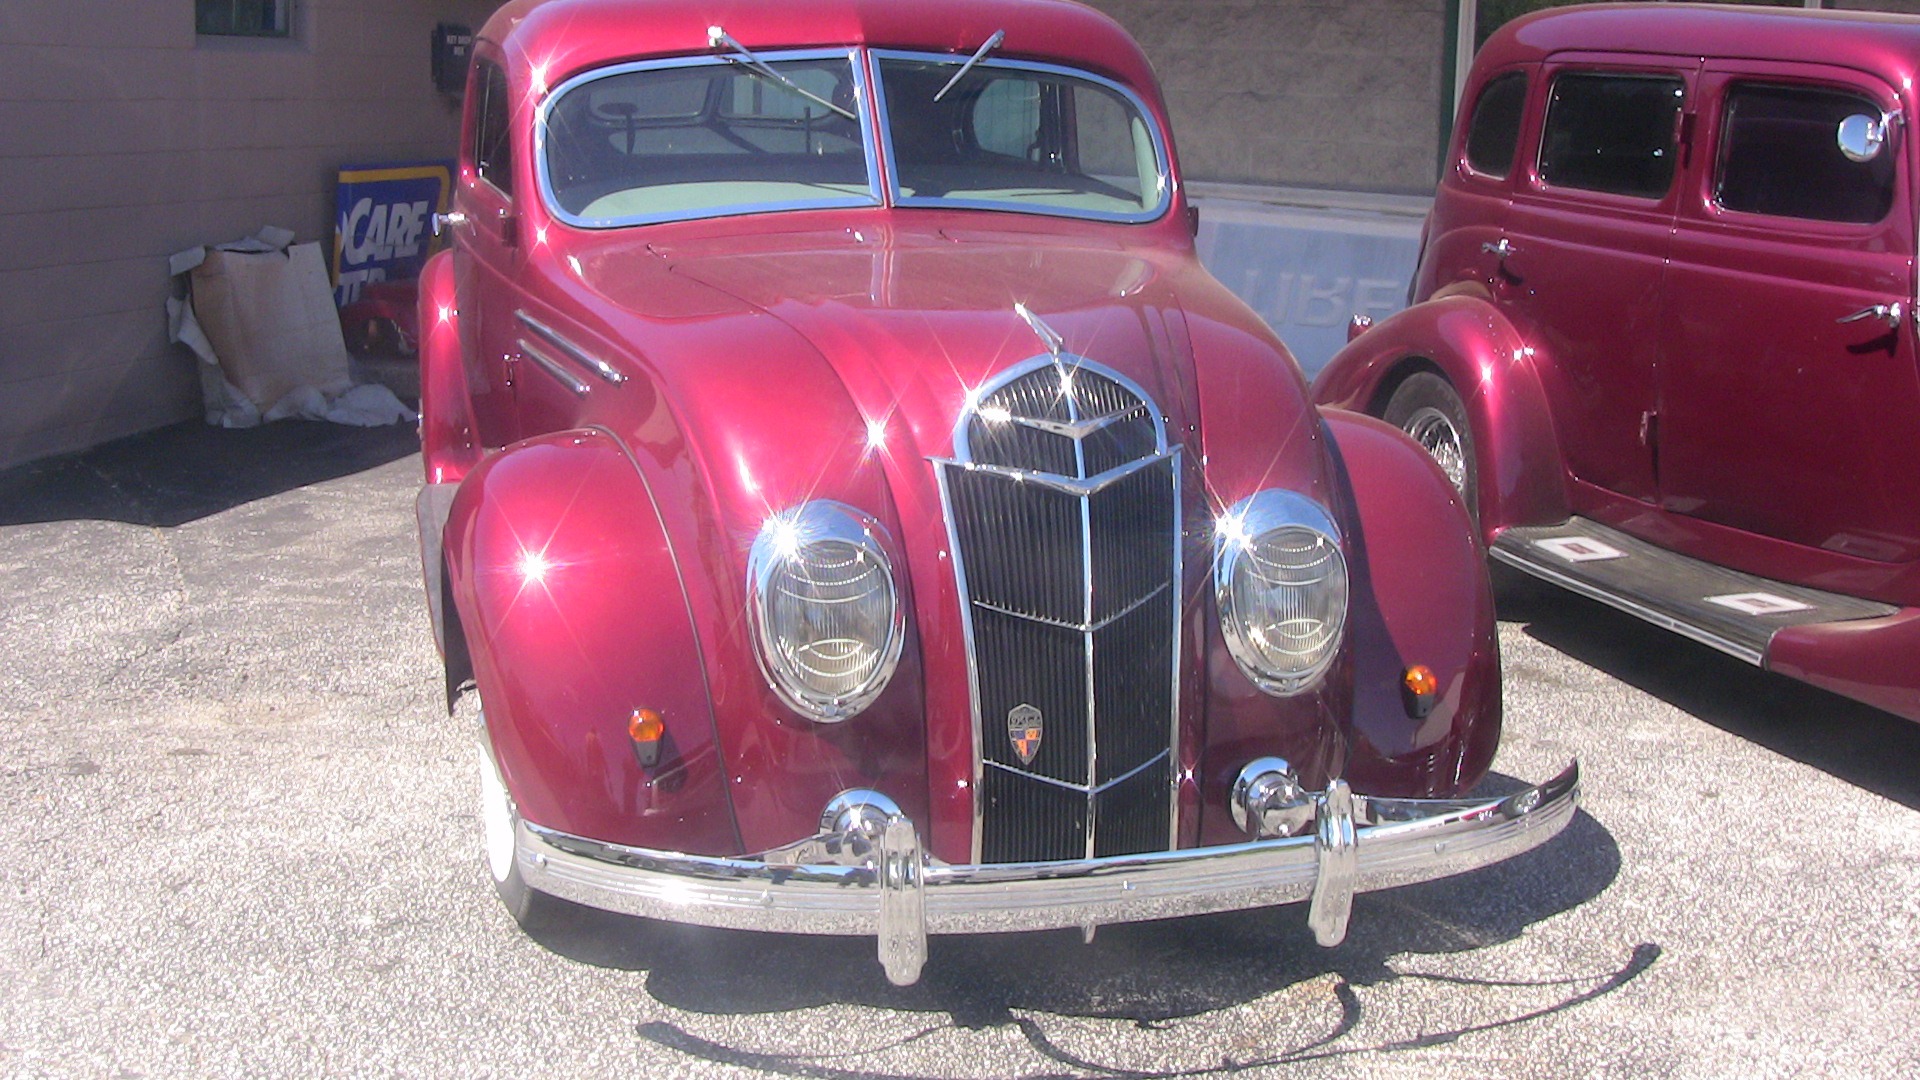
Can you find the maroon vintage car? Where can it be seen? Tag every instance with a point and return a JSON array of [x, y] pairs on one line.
[[860, 513], [1665, 337]]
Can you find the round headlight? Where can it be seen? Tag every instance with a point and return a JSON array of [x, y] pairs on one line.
[[827, 617], [1280, 582]]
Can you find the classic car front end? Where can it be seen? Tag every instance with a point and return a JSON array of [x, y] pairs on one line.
[[860, 514]]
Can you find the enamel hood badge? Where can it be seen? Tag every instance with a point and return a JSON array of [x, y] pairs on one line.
[[1024, 727]]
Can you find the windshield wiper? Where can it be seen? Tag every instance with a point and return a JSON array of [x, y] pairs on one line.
[[716, 37], [979, 54]]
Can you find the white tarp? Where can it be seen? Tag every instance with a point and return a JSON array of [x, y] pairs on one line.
[[259, 314]]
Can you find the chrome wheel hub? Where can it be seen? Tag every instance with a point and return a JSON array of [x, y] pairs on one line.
[[1435, 432]]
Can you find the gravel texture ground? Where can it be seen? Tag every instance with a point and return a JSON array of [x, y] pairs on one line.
[[245, 842]]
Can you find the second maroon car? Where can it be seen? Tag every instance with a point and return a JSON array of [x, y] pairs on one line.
[[1665, 341]]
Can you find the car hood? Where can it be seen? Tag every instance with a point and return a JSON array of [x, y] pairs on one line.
[[910, 323]]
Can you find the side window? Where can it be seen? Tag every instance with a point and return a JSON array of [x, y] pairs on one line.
[[1611, 133], [492, 146], [1495, 128], [1780, 154]]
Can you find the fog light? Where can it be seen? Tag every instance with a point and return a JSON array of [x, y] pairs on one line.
[[1419, 691], [646, 729], [1268, 800]]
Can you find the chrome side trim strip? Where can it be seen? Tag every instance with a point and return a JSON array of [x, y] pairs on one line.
[[573, 352], [552, 367], [746, 893], [1756, 657]]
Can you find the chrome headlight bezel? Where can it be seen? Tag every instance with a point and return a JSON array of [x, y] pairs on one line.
[[1236, 535], [783, 544]]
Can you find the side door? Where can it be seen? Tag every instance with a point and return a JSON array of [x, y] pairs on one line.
[[1460, 241], [1584, 250], [485, 252], [1790, 399]]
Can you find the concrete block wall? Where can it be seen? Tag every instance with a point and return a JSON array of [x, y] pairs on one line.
[[1300, 93], [124, 137]]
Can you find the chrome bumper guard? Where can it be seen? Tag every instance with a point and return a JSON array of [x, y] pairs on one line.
[[884, 886]]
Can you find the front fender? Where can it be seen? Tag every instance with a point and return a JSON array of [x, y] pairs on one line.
[[1496, 372], [574, 612], [1419, 595]]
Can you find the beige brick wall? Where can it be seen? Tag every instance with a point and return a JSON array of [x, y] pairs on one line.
[[124, 138], [1311, 93]]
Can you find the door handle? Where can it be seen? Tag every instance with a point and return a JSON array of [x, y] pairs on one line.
[[1503, 249], [1890, 312], [443, 222]]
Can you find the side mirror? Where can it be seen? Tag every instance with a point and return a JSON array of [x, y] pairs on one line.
[[1861, 137]]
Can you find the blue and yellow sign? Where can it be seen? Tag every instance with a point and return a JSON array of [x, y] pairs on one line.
[[383, 228]]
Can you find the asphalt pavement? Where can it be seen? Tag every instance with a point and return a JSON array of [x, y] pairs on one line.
[[244, 841]]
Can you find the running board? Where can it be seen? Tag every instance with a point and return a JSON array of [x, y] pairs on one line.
[[1733, 612]]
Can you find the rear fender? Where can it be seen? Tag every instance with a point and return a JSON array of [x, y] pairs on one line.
[[1419, 596], [1467, 340], [573, 610], [449, 443]]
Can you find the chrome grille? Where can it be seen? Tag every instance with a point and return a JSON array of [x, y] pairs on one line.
[[1062, 502]]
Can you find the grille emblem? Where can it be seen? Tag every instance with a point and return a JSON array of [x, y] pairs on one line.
[[1025, 725]]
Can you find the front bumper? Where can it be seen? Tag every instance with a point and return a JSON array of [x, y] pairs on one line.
[[894, 893]]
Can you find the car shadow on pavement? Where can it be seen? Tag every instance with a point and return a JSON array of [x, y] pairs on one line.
[[1140, 976], [1851, 741], [191, 470]]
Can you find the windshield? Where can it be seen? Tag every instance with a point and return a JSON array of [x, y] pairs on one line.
[[693, 139], [1018, 137], [689, 138]]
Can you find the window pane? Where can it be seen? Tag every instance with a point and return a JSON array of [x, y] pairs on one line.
[[493, 146], [1030, 140], [1612, 133], [245, 18], [1495, 129], [692, 139], [1780, 154]]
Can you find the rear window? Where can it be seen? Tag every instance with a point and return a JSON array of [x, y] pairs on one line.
[[1495, 129], [1611, 133], [1780, 154]]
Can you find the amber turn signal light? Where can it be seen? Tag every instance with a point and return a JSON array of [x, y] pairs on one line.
[[1419, 690], [646, 729]]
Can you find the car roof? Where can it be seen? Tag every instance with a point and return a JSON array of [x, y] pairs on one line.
[[560, 37], [1875, 41]]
